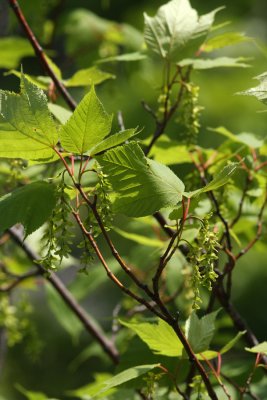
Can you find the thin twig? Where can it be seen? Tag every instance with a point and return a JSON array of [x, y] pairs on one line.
[[40, 53]]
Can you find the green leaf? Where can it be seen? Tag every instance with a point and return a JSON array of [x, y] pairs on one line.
[[88, 76], [136, 56], [176, 29], [223, 40], [218, 62], [60, 113], [27, 129], [126, 376], [32, 395], [12, 49], [102, 387], [113, 141], [41, 82], [92, 389], [140, 239], [249, 139], [220, 179], [260, 91], [232, 342], [159, 337], [87, 126], [30, 205], [168, 152], [141, 186], [199, 332], [260, 348]]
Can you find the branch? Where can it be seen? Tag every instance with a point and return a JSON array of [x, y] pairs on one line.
[[17, 279], [67, 297], [110, 273], [40, 53], [161, 125]]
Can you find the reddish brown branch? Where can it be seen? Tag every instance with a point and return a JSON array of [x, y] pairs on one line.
[[110, 273], [40, 53]]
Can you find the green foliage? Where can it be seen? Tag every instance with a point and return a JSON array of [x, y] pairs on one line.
[[260, 348], [30, 395], [219, 62], [177, 30], [142, 186], [12, 49], [30, 205], [87, 126], [26, 127], [91, 188], [200, 331], [260, 91], [159, 337], [223, 40]]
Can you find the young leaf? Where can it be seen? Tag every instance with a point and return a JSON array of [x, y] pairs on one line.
[[218, 62], [260, 91], [136, 56], [176, 29], [223, 40], [199, 332], [103, 387], [87, 126], [60, 113], [140, 239], [126, 376], [260, 348], [249, 139], [27, 129], [141, 186], [88, 76], [232, 342], [12, 49], [220, 179], [113, 141], [32, 395], [30, 205], [159, 337], [168, 152]]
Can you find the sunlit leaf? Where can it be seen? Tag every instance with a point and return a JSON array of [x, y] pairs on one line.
[[88, 76], [87, 126], [27, 129], [113, 141], [260, 91], [220, 179], [124, 57], [140, 239], [218, 62], [12, 49], [260, 348], [159, 337], [177, 30], [246, 138], [60, 113], [223, 40], [142, 186]]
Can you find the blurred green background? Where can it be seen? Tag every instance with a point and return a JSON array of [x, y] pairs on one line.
[[75, 39]]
